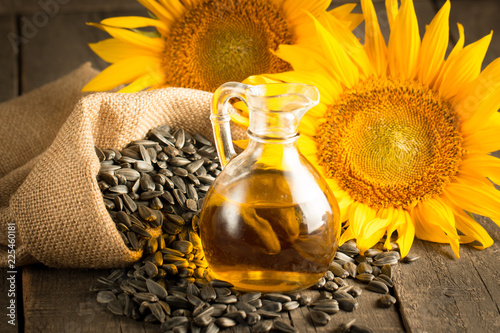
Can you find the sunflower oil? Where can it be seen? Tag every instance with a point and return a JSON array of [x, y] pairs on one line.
[[257, 238]]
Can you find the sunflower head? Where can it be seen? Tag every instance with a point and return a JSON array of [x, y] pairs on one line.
[[401, 133], [202, 44]]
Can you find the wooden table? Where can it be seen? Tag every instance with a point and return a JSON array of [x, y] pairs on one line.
[[438, 293]]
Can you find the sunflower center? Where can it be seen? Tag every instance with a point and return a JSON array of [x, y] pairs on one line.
[[221, 41], [390, 143]]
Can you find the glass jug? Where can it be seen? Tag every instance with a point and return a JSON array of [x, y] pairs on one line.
[[269, 221]]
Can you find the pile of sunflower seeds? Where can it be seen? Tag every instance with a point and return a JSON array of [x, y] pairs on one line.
[[163, 289], [156, 183], [154, 189]]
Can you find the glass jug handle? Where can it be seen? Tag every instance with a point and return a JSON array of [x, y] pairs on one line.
[[220, 118]]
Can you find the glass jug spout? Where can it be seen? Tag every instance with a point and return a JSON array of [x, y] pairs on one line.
[[275, 111]]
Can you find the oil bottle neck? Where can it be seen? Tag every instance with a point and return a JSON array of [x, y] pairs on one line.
[[273, 125]]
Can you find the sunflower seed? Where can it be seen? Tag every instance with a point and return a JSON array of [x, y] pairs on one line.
[[364, 268], [120, 189], [319, 317], [116, 307], [129, 203], [387, 301], [130, 174], [263, 326], [410, 258], [389, 260], [180, 138], [179, 161], [385, 279], [337, 270], [365, 277], [281, 326], [378, 287], [146, 213], [105, 297], [141, 232], [207, 293], [173, 322], [387, 270]]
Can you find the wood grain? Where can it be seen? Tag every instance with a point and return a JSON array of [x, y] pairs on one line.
[[60, 47], [29, 7], [8, 58], [456, 295], [59, 300]]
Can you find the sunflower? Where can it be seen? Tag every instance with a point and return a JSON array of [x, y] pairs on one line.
[[201, 44], [403, 134]]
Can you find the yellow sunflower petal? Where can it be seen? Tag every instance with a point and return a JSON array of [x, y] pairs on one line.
[[350, 43], [260, 79], [451, 57], [344, 14], [368, 240], [434, 215], [484, 110], [153, 44], [406, 234], [328, 89], [145, 81], [464, 68], [372, 231], [434, 45], [132, 22], [307, 145], [239, 119], [158, 10], [375, 46], [474, 92], [340, 65], [396, 220], [113, 50], [391, 7], [359, 214], [174, 7], [481, 165], [346, 235], [241, 143], [308, 127], [475, 198], [471, 228], [122, 72], [294, 10], [484, 140], [404, 43]]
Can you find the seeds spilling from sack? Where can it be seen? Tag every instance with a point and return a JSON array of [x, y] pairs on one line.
[[154, 189], [156, 185]]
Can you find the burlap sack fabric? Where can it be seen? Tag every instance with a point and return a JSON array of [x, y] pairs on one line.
[[48, 165]]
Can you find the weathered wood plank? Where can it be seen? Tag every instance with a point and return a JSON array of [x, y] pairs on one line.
[[59, 300], [54, 7], [456, 295], [59, 47], [11, 311], [8, 58], [9, 282], [368, 314]]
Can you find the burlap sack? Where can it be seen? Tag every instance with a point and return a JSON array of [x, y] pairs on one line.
[[48, 167]]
